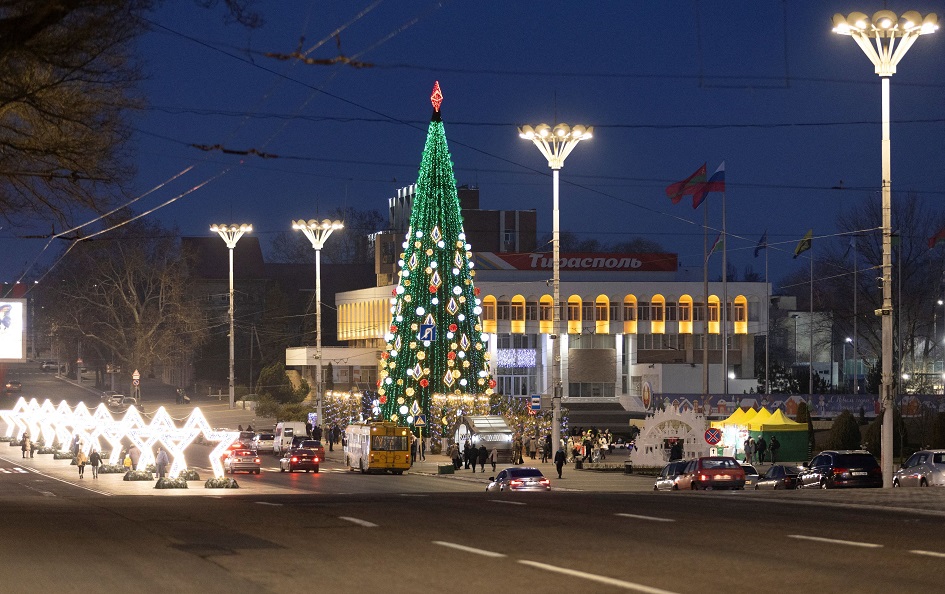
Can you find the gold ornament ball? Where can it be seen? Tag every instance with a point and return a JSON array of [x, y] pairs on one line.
[[429, 252], [417, 244], [409, 391], [400, 400], [421, 356], [400, 382], [456, 374], [408, 298], [414, 326]]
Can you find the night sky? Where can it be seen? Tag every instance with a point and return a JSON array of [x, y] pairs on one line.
[[791, 108]]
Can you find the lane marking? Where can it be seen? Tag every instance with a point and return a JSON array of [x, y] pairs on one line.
[[597, 578], [459, 547], [507, 502], [928, 554], [413, 495], [650, 518], [358, 521], [44, 475], [850, 543], [268, 503]]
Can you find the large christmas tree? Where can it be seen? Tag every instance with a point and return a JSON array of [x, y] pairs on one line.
[[436, 355]]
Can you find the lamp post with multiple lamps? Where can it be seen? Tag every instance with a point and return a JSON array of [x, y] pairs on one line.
[[231, 234], [317, 233], [884, 28], [556, 143]]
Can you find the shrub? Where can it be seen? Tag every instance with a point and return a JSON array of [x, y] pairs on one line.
[[221, 483], [138, 475], [189, 475], [845, 433], [169, 483], [111, 469], [938, 431], [62, 455], [873, 438], [46, 450]]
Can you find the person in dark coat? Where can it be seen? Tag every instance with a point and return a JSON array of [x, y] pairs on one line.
[[468, 455], [483, 456], [95, 460], [761, 447], [559, 461]]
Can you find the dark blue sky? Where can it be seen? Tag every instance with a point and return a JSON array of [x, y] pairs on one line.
[[791, 108]]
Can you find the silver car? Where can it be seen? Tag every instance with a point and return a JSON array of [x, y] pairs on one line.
[[925, 468], [666, 481], [263, 442], [519, 479], [751, 475]]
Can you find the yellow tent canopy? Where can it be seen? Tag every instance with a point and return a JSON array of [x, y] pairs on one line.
[[778, 422], [740, 417], [760, 418]]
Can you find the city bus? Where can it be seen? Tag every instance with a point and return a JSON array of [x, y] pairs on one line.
[[377, 447]]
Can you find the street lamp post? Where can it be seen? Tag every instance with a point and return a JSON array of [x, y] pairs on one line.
[[556, 144], [317, 233], [794, 316], [231, 234], [845, 343], [883, 29]]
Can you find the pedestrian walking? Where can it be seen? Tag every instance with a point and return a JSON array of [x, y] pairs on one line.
[[467, 455], [135, 454], [774, 446], [559, 461], [748, 450], [26, 445], [761, 449], [423, 449], [95, 460], [483, 456], [161, 462], [127, 463], [532, 447], [80, 460], [456, 457], [494, 457]]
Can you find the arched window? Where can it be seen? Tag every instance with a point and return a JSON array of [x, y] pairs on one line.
[[740, 315], [713, 321], [488, 314], [630, 314], [657, 314], [574, 314], [517, 314], [684, 311], [602, 314]]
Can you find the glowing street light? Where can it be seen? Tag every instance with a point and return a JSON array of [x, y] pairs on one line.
[[884, 29], [231, 234], [556, 143], [317, 233]]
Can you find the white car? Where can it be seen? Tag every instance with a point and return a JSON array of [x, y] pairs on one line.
[[925, 468], [263, 442], [114, 399]]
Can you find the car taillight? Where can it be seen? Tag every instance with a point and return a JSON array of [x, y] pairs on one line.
[[545, 481], [315, 459], [703, 477], [294, 459], [838, 471], [876, 470], [407, 457], [516, 483], [257, 460]]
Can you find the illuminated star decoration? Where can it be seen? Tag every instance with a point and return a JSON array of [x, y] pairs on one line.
[[437, 97], [63, 422]]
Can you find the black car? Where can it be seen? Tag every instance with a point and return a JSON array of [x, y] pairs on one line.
[[841, 468], [778, 477], [300, 459], [13, 386]]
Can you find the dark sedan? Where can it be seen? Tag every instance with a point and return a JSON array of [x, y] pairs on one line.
[[833, 469], [519, 479], [13, 386], [300, 459], [778, 477]]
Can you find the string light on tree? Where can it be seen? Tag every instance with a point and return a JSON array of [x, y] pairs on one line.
[[435, 345]]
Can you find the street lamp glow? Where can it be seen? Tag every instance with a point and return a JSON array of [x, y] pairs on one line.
[[317, 233], [231, 234], [731, 375], [556, 147], [885, 28]]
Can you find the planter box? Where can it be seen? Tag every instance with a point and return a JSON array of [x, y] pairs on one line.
[[445, 469]]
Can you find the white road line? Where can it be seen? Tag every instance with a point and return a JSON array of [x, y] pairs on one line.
[[850, 543], [414, 495], [597, 578], [268, 503], [466, 549], [929, 553], [358, 521], [23, 470], [507, 502], [650, 518], [34, 471]]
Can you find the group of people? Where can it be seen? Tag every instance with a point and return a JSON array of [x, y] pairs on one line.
[[758, 451], [470, 455]]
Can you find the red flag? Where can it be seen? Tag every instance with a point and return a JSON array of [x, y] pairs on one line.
[[940, 236], [686, 187]]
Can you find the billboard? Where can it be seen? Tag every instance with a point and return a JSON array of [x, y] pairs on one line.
[[12, 329], [599, 262]]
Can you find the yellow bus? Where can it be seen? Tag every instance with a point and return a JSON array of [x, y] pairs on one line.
[[377, 447]]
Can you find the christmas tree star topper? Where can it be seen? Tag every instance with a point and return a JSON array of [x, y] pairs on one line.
[[437, 97]]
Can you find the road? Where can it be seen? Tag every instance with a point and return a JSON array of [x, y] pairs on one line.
[[343, 531]]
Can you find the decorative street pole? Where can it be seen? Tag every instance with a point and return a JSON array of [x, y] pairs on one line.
[[556, 144], [317, 233], [231, 234], [883, 29]]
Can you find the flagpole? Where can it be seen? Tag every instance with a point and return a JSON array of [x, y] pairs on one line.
[[767, 321], [724, 313], [810, 328], [856, 366], [705, 303]]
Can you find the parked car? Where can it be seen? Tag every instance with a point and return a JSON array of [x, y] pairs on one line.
[[300, 459], [114, 400], [666, 481], [49, 366], [519, 479], [751, 475], [925, 468], [778, 477], [246, 438], [712, 472], [831, 469], [242, 460], [262, 443], [13, 386], [107, 395]]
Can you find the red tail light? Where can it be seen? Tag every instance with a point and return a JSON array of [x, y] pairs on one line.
[[545, 481], [839, 471], [315, 459], [516, 483], [704, 477], [257, 460], [294, 459]]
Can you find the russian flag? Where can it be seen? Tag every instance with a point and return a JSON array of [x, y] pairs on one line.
[[716, 183]]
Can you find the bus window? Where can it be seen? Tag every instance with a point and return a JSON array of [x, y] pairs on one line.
[[390, 443]]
